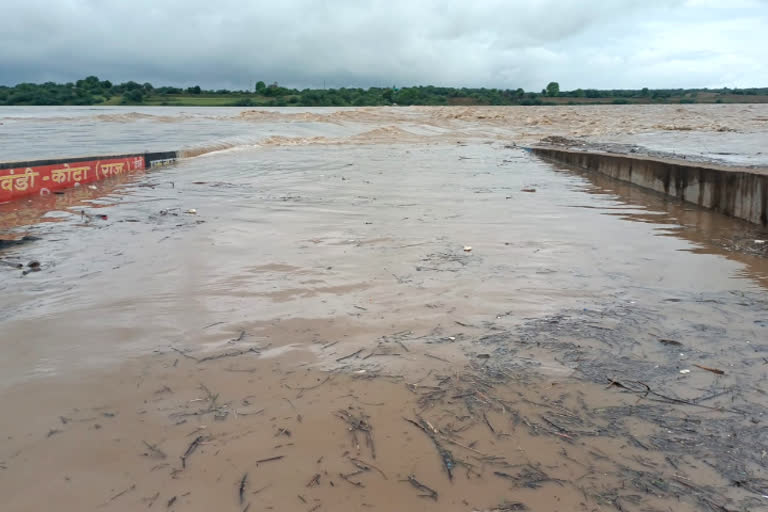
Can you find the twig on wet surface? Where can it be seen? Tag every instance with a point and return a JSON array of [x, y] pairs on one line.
[[456, 443], [191, 449], [398, 278], [713, 370], [151, 499], [257, 491], [488, 423], [283, 431], [113, 498], [154, 450], [241, 488], [375, 353], [353, 354], [646, 391], [428, 491], [364, 465], [185, 354], [361, 424], [270, 459], [445, 455], [307, 388], [529, 476], [346, 478], [229, 354]]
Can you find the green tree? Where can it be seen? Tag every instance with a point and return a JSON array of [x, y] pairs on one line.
[[133, 96], [553, 89], [260, 87]]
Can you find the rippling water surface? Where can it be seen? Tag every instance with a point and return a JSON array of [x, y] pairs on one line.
[[732, 133], [299, 266]]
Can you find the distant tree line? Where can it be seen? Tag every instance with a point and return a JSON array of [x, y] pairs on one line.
[[92, 91]]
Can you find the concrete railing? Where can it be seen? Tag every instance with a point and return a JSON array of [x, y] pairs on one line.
[[740, 193]]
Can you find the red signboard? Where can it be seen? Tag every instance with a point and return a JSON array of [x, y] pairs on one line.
[[44, 179]]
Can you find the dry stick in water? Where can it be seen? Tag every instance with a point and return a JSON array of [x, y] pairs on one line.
[[190, 449], [113, 498], [713, 370], [346, 478], [445, 456], [485, 417], [151, 500], [367, 465], [353, 354], [360, 424], [270, 459], [401, 344], [429, 492], [185, 354], [241, 490], [228, 354], [155, 450], [648, 391], [303, 389]]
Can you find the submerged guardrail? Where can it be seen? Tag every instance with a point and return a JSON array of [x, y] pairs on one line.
[[736, 192], [42, 177]]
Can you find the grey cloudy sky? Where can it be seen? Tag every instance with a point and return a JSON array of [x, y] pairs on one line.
[[303, 43]]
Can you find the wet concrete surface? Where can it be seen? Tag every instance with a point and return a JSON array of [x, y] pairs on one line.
[[565, 362]]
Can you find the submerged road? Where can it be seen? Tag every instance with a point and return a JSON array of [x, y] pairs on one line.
[[365, 274]]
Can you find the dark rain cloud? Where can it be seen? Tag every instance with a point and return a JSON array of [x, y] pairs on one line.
[[302, 43]]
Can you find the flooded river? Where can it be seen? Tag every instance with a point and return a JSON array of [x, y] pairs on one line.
[[385, 309]]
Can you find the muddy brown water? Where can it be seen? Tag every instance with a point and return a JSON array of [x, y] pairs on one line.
[[319, 309]]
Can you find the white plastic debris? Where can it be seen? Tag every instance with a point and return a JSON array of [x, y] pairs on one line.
[[92, 187], [191, 211], [467, 248], [685, 371]]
